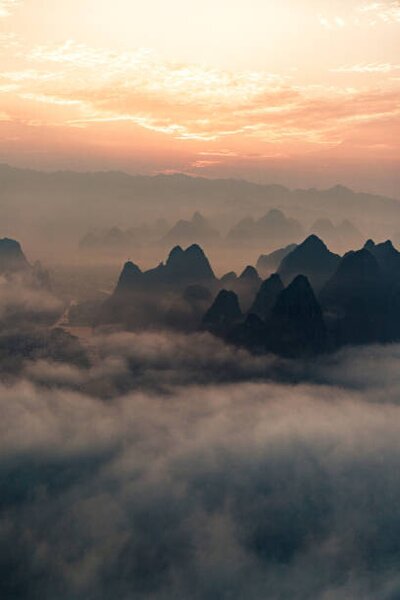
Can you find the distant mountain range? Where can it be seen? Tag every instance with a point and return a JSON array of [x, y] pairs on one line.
[[64, 203]]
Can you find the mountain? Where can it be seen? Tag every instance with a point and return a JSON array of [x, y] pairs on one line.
[[188, 265], [246, 286], [228, 278], [342, 236], [198, 229], [174, 294], [12, 258], [223, 313], [312, 259], [274, 228], [269, 263], [250, 275], [387, 256], [267, 296], [182, 267], [296, 326], [355, 300], [52, 207], [130, 279]]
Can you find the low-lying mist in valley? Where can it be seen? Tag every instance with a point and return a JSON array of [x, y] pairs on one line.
[[174, 466]]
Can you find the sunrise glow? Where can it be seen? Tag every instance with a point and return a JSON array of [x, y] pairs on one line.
[[262, 90]]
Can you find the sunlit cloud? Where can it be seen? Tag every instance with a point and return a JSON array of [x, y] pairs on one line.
[[191, 103], [7, 6], [384, 11], [367, 68]]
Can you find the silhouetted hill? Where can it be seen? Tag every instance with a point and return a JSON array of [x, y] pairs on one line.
[[269, 263], [12, 259], [386, 255], [296, 326], [198, 229], [273, 228], [311, 258], [223, 313], [355, 300], [130, 279], [181, 268], [267, 296]]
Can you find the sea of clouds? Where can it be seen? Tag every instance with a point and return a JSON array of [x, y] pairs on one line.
[[172, 466]]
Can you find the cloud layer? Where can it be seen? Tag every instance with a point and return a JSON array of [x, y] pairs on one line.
[[174, 467]]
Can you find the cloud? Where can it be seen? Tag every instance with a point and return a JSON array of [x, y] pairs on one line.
[[193, 103], [251, 489], [7, 6], [367, 68], [386, 12], [174, 466]]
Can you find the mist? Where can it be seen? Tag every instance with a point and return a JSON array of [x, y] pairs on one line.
[[146, 474]]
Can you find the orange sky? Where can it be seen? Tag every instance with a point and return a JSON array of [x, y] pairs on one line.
[[301, 92]]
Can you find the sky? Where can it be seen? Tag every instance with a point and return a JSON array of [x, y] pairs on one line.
[[301, 92]]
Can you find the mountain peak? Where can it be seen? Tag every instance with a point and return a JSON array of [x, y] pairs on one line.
[[267, 296], [223, 313], [249, 274], [311, 258], [129, 277]]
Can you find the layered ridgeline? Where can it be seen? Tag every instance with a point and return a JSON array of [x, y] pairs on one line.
[[316, 301]]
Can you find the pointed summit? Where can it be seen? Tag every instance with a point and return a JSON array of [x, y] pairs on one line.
[[223, 313], [187, 265], [311, 258], [296, 326], [267, 296], [250, 274], [131, 276], [386, 255]]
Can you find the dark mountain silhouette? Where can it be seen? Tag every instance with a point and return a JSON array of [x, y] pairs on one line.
[[198, 229], [223, 313], [296, 326], [181, 268], [173, 294], [250, 334], [130, 279], [12, 258], [273, 228], [387, 256], [269, 263], [312, 259], [267, 296], [187, 265], [355, 300], [246, 286]]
